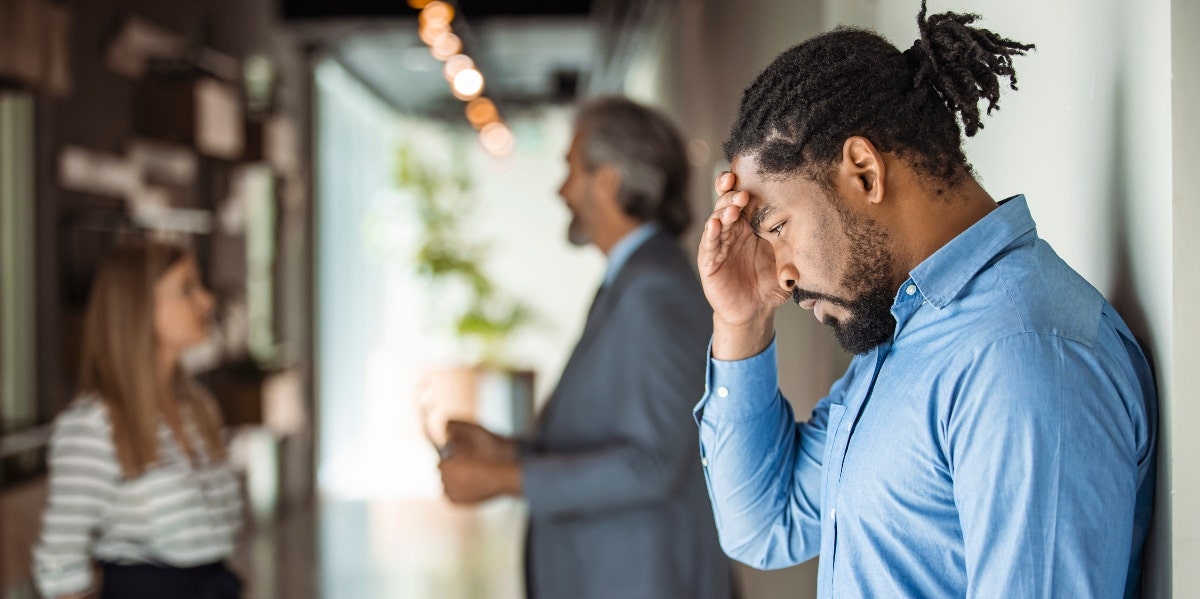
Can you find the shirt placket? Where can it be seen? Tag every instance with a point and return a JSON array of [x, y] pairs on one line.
[[840, 439], [907, 302]]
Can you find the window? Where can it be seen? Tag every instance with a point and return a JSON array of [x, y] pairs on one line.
[[18, 400], [20, 441]]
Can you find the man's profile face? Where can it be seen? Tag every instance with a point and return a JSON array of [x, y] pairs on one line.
[[578, 193], [840, 262]]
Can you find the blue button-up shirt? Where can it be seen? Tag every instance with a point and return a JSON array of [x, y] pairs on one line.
[[1000, 445]]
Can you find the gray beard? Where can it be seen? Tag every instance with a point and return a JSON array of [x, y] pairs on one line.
[[576, 233]]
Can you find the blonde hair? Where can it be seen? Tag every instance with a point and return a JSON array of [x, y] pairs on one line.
[[119, 358]]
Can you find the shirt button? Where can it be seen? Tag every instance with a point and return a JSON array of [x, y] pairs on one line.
[[833, 515], [911, 289], [704, 461], [723, 391]]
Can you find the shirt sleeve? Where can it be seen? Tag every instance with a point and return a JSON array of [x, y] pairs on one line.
[[82, 484], [763, 469], [1044, 455]]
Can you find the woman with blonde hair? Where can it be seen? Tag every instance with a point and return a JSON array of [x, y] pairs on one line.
[[139, 483]]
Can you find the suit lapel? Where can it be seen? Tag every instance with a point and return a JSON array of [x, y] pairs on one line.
[[603, 304], [607, 297], [597, 314]]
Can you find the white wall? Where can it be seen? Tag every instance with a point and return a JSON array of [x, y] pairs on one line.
[[1184, 379], [1087, 138], [1084, 136]]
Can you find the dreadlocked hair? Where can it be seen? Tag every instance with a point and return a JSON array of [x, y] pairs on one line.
[[798, 113]]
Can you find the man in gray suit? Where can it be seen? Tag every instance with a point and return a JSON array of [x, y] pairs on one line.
[[617, 502]]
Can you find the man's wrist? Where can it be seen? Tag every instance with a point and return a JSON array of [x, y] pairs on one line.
[[741, 340]]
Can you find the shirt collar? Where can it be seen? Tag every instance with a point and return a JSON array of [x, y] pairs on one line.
[[623, 249], [941, 276]]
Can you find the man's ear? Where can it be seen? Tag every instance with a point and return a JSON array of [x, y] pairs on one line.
[[607, 182], [863, 169]]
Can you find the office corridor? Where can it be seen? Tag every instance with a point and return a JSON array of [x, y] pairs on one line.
[[373, 194]]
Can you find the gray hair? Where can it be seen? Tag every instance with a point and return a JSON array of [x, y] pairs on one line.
[[647, 150]]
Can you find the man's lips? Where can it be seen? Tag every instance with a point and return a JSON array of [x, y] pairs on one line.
[[808, 304]]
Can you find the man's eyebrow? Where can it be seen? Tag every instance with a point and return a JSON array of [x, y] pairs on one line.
[[756, 220]]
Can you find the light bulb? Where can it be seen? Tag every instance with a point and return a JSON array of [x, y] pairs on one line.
[[446, 46], [456, 64], [436, 12], [481, 112], [468, 84], [497, 139]]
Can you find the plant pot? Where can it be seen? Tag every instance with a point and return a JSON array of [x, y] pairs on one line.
[[499, 399]]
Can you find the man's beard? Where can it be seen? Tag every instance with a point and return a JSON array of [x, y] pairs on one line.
[[871, 269], [577, 233], [869, 324]]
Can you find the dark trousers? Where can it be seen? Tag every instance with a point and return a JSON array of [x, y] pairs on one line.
[[146, 581]]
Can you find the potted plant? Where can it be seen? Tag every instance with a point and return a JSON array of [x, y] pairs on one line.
[[483, 386]]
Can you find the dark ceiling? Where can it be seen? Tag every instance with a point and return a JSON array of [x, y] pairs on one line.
[[525, 63], [530, 52], [321, 9]]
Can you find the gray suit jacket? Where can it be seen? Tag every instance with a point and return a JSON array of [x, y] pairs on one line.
[[617, 500]]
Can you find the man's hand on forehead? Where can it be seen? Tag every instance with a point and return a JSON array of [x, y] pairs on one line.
[[737, 269], [759, 212], [753, 208]]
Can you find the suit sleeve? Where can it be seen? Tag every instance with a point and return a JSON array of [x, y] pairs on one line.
[[653, 444]]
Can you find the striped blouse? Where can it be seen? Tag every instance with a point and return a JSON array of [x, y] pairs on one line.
[[175, 513]]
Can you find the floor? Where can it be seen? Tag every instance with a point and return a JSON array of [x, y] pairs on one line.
[[394, 549], [412, 549]]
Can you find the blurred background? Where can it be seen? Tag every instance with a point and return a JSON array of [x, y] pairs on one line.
[[371, 188]]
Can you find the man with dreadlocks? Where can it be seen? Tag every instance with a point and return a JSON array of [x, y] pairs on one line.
[[994, 435]]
